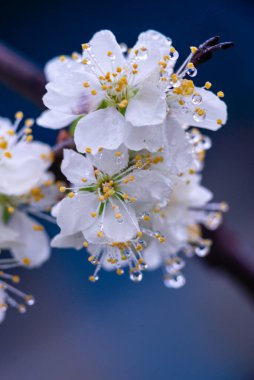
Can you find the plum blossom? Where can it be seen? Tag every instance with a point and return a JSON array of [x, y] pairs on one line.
[[106, 188]]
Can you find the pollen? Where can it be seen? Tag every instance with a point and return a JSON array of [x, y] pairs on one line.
[[118, 216], [100, 234], [62, 189], [109, 53], [74, 56], [71, 194], [29, 123], [38, 227], [85, 61], [8, 154], [88, 150], [220, 94], [85, 46], [19, 115], [193, 49], [208, 85], [146, 218], [190, 65], [3, 144], [86, 84], [119, 271], [29, 138], [26, 261], [94, 92], [219, 121]]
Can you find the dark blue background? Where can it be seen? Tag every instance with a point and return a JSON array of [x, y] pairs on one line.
[[115, 329]]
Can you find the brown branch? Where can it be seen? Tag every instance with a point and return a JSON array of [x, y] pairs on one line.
[[25, 78], [21, 75]]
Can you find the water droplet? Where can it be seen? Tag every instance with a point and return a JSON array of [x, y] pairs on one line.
[[30, 300], [136, 276], [192, 72], [173, 55], [213, 220], [202, 249], [196, 99], [119, 160], [175, 282], [22, 308], [123, 47], [112, 57]]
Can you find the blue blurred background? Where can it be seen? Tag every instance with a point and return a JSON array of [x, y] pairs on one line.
[[115, 329]]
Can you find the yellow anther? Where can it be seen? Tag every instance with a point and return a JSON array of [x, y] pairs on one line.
[[38, 227], [220, 94], [125, 196], [3, 144], [161, 239], [100, 234], [162, 64], [119, 271], [86, 84], [139, 247], [62, 58], [109, 53], [143, 48], [219, 121], [11, 210], [139, 234], [26, 261], [92, 278], [200, 111], [94, 92], [132, 199], [135, 65], [118, 154], [190, 65], [119, 69], [62, 189], [134, 72], [10, 132], [96, 172], [208, 85], [91, 258], [71, 194], [181, 102], [15, 279], [85, 61], [104, 87], [74, 55], [85, 244], [174, 78], [192, 171], [8, 154], [93, 214], [172, 50], [19, 115], [28, 130], [29, 138], [123, 103], [118, 215], [88, 150], [146, 218], [193, 49], [166, 57], [29, 123], [186, 88], [114, 75], [48, 183], [85, 46], [101, 198]]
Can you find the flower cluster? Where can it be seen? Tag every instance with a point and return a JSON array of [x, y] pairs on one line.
[[133, 196], [27, 192]]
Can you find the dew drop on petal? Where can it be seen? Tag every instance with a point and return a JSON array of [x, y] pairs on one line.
[[175, 282], [136, 276], [196, 99]]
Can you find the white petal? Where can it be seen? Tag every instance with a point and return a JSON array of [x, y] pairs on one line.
[[91, 233], [214, 107], [75, 167], [56, 67], [149, 186], [19, 175], [192, 193], [68, 241], [178, 150], [147, 137], [35, 243], [109, 161], [125, 230], [102, 43], [74, 214], [55, 120], [152, 255], [148, 107], [102, 128]]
